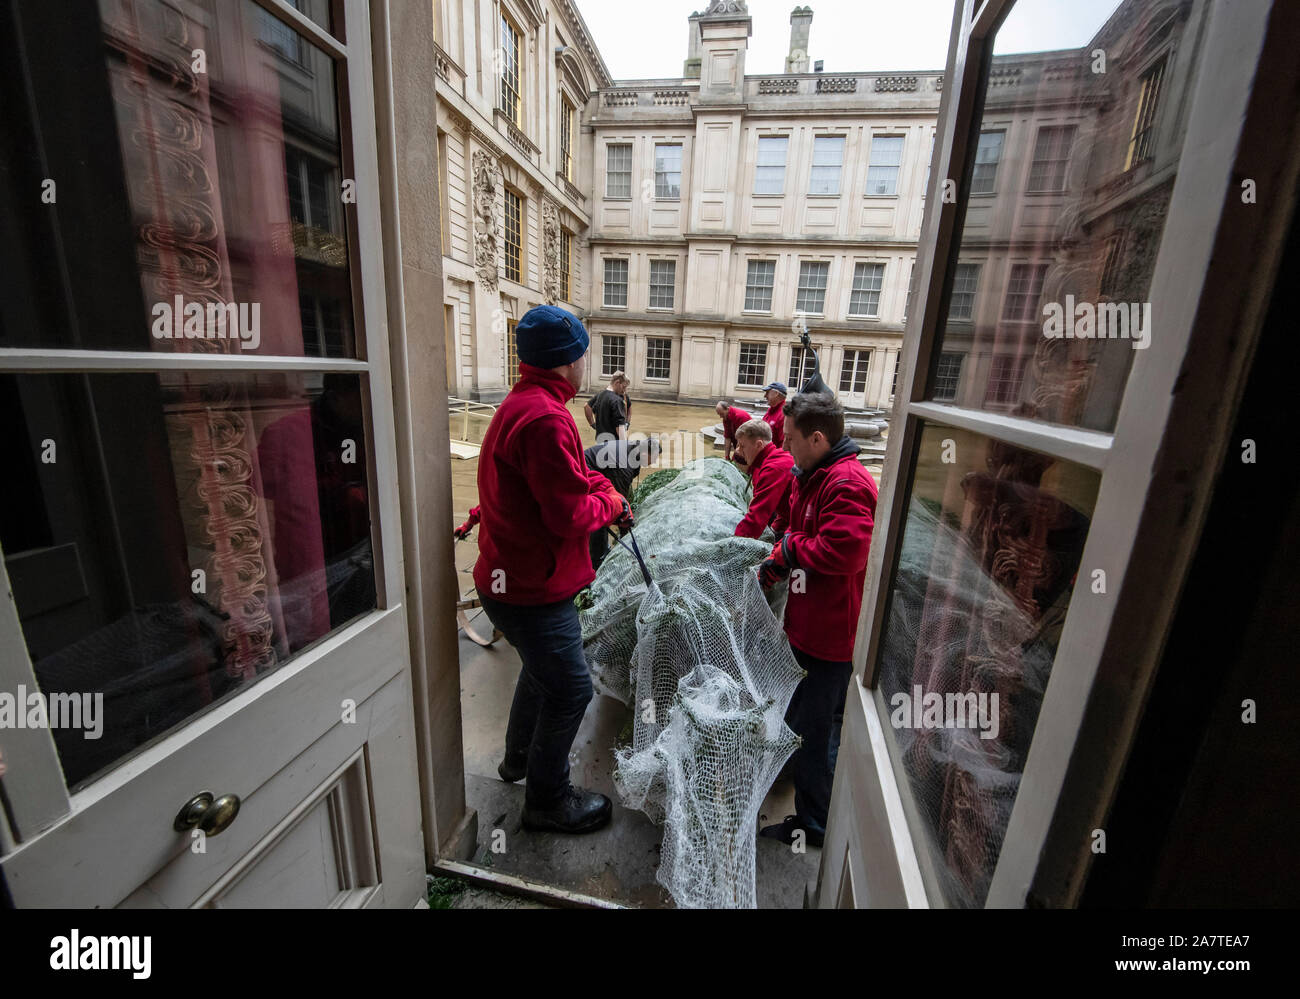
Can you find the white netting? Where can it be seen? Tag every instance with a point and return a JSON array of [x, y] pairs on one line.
[[701, 657]]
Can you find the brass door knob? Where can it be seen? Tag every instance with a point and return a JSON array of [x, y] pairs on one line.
[[213, 816]]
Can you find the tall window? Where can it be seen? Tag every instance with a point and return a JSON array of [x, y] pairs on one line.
[[1005, 377], [282, 38], [1023, 292], [893, 386], [1141, 143], [769, 173], [801, 367], [758, 285], [828, 155], [663, 275], [966, 279], [753, 365], [1051, 154], [616, 283], [514, 235], [911, 290], [566, 138], [668, 171], [946, 377], [613, 354], [566, 265], [442, 192], [882, 173], [512, 353], [864, 299], [988, 154], [618, 170], [310, 181], [511, 89], [853, 371], [811, 297], [658, 358], [1110, 271]]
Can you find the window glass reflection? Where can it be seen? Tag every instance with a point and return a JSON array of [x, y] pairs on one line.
[[1073, 164], [172, 537], [199, 190], [989, 556]]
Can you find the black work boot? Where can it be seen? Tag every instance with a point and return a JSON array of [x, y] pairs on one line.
[[577, 811], [511, 770], [785, 832]]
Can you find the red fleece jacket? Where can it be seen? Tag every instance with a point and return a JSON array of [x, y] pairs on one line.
[[538, 501], [828, 526], [772, 478], [734, 418], [775, 418]]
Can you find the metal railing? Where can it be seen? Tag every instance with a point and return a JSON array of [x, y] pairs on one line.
[[465, 408]]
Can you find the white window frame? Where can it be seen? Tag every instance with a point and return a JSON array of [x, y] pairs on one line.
[[658, 378], [854, 290], [606, 342], [760, 345], [800, 287], [769, 288], [760, 166], [995, 163], [606, 284], [40, 802], [681, 161], [610, 147], [660, 262], [897, 167], [1081, 736], [825, 142]]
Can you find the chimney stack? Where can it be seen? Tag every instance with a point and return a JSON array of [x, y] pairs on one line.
[[691, 69], [800, 25]]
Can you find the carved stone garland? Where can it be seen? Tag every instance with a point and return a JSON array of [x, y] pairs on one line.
[[550, 252], [487, 217]]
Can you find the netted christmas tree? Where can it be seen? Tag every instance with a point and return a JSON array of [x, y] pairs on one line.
[[701, 658]]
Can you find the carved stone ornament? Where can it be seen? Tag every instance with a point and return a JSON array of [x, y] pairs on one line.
[[550, 252], [487, 219], [727, 7]]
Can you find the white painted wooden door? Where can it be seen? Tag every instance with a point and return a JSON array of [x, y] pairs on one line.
[[1039, 505], [202, 553]]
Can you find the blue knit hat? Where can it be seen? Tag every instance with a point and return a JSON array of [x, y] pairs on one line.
[[548, 337]]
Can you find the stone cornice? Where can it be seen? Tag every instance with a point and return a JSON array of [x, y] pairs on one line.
[[781, 327], [574, 22]]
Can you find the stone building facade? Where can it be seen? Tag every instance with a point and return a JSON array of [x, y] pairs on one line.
[[516, 83], [698, 223]]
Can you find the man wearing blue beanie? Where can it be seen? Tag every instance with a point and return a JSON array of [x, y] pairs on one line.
[[538, 502]]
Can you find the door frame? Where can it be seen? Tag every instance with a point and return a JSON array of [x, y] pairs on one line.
[[47, 818], [1173, 425]]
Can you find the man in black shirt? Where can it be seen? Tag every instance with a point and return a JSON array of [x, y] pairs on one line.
[[621, 462], [607, 411]]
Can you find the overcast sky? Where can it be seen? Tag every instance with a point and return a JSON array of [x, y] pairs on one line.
[[641, 40]]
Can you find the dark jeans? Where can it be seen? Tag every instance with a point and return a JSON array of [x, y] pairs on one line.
[[816, 713], [551, 695]]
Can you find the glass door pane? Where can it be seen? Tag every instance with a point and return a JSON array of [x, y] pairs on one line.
[[990, 548], [1060, 223], [1061, 217], [173, 537], [215, 218]]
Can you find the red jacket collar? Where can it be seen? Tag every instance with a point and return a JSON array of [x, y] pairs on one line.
[[553, 383], [761, 457]]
